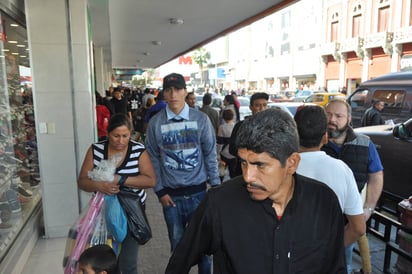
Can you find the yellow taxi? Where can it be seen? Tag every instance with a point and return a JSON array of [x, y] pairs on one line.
[[322, 98]]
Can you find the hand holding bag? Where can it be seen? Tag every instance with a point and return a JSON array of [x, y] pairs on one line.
[[136, 217]]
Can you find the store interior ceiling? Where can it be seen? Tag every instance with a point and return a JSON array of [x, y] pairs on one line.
[[142, 34]]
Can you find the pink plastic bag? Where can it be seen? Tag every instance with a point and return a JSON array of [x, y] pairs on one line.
[[88, 230]]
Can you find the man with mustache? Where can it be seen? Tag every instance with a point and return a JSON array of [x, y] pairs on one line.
[[360, 154], [270, 220]]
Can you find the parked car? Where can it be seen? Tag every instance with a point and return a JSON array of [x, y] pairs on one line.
[[244, 109], [217, 103], [302, 95], [279, 98], [290, 107], [394, 144], [394, 89], [322, 98], [199, 100]]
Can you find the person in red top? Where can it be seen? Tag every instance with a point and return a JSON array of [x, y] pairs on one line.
[[234, 94], [102, 117]]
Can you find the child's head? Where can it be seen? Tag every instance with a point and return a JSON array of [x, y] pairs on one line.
[[98, 259], [228, 115]]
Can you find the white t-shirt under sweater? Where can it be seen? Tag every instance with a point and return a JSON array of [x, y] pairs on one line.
[[225, 131], [337, 175]]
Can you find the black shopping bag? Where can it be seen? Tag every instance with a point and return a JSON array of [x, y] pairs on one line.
[[137, 222]]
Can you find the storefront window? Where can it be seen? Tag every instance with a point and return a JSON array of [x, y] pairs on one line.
[[19, 169]]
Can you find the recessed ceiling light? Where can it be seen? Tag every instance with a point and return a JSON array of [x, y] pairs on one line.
[[6, 50], [12, 42], [157, 43], [176, 21], [15, 53], [23, 56], [21, 46], [14, 25]]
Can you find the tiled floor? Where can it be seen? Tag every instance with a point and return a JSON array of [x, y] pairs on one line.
[[46, 257]]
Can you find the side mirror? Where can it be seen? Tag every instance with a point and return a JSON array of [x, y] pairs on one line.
[[403, 131]]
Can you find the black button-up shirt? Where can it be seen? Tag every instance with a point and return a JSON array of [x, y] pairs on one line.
[[245, 236]]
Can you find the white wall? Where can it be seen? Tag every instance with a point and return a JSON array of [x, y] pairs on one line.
[[60, 60]]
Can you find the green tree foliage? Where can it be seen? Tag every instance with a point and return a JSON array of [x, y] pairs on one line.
[[201, 57]]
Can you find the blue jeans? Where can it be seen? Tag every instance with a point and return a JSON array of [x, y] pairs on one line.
[[177, 219], [128, 255], [348, 255]]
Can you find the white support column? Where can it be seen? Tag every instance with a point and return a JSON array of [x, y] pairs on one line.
[[365, 65], [62, 89], [342, 69], [100, 71]]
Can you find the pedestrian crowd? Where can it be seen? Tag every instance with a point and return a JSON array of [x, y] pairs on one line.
[[269, 194]]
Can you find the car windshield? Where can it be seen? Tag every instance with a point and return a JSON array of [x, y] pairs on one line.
[[304, 93], [314, 98], [216, 102], [244, 102]]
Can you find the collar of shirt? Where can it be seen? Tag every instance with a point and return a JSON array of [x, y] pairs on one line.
[[184, 114]]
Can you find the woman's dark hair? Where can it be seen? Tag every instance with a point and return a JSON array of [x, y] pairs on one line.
[[272, 131], [118, 120], [231, 100], [99, 98], [100, 258]]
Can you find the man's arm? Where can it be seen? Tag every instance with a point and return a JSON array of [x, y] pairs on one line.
[[354, 229], [232, 142], [373, 192], [153, 150], [208, 143]]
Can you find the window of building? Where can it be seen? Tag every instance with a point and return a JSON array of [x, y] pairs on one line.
[[356, 20], [383, 18], [410, 13], [334, 27], [334, 32]]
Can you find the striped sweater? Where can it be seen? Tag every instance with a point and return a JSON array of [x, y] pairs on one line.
[[130, 165]]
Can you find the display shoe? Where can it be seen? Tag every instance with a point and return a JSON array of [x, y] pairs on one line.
[[23, 200], [13, 201], [5, 215], [5, 225], [15, 179], [24, 192], [34, 182], [3, 200]]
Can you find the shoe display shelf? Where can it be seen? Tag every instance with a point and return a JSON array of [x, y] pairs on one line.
[[20, 195]]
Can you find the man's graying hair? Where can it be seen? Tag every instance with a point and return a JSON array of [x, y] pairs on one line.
[[272, 131]]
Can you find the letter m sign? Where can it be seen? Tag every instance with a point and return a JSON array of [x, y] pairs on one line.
[[185, 60]]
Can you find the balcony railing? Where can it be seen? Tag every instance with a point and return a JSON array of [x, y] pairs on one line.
[[329, 48], [351, 44], [380, 39], [403, 35]]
